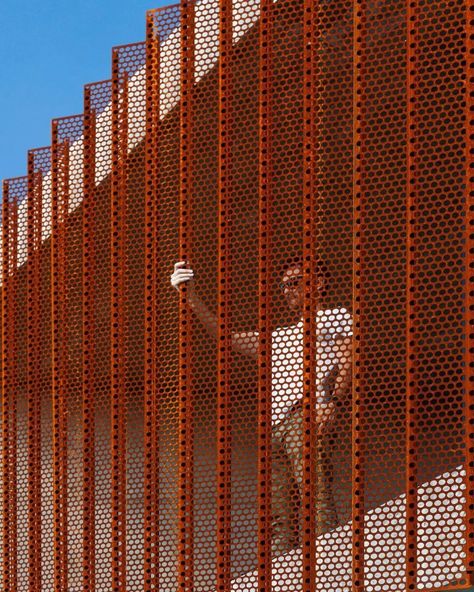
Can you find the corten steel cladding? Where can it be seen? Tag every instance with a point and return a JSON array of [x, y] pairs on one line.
[[186, 420], [299, 416]]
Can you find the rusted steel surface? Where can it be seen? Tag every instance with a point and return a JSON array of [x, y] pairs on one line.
[[299, 415], [151, 303], [39, 165], [119, 176], [224, 275], [89, 335], [469, 296], [264, 409], [185, 564], [59, 199], [14, 192], [411, 299], [358, 303]]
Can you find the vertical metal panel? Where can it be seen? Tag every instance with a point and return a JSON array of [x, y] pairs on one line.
[[264, 410], [128, 171], [224, 434], [118, 404], [469, 296], [9, 391], [89, 362], [99, 303], [151, 226], [166, 22], [411, 299], [311, 151], [60, 190], [358, 451], [34, 231], [7, 326], [186, 413], [70, 141], [13, 509]]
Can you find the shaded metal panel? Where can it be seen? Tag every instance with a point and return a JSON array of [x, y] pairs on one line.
[[90, 350], [264, 410], [411, 299], [151, 303], [118, 401], [166, 29], [224, 274], [358, 392], [99, 304], [469, 295], [39, 195], [186, 543], [59, 212], [67, 261], [14, 192]]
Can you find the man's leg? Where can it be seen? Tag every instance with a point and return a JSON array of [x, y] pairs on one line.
[[285, 496], [326, 516]]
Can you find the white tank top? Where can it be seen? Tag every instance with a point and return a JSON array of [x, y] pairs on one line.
[[287, 358]]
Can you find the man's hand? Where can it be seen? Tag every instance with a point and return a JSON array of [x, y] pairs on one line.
[[181, 274]]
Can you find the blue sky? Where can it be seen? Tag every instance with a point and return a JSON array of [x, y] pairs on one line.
[[48, 50]]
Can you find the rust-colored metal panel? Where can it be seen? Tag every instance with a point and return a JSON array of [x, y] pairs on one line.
[[97, 303], [359, 371], [68, 347], [264, 409], [89, 336], [224, 318], [412, 345], [468, 296], [14, 194], [185, 564], [151, 304], [38, 340], [297, 415]]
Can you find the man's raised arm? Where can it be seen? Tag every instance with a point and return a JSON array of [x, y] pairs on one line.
[[244, 342]]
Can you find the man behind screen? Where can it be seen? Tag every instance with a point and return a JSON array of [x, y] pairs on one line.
[[333, 370]]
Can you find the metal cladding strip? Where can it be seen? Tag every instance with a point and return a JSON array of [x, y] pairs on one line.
[[186, 410], [8, 329], [151, 523], [469, 294], [118, 402], [34, 209], [358, 452], [311, 155], [157, 393], [59, 209], [14, 397], [7, 325], [264, 546], [224, 436], [89, 288], [412, 233]]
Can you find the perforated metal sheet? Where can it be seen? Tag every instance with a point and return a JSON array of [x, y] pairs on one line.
[[299, 416]]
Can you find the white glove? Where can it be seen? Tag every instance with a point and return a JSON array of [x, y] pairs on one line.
[[181, 274]]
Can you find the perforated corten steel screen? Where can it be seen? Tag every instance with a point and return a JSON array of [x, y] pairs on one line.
[[298, 413]]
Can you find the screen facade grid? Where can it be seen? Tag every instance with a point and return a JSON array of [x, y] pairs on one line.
[[237, 309]]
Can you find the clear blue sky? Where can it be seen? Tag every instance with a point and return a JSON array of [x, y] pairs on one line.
[[48, 50]]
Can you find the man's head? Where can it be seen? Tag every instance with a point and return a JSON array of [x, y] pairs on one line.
[[292, 282]]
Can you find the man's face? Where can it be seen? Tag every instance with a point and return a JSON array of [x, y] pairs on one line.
[[292, 287]]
